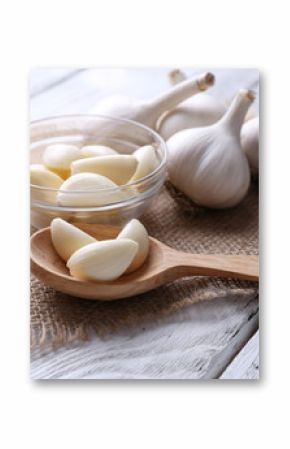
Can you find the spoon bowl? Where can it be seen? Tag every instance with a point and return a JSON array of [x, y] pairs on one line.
[[162, 265]]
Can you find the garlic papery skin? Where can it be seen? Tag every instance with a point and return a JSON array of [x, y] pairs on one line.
[[208, 164], [148, 112], [67, 238], [118, 168], [58, 158], [97, 150], [88, 190], [199, 110], [135, 231], [147, 162], [250, 143], [102, 261]]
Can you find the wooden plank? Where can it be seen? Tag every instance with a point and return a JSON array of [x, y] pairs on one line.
[[246, 364]]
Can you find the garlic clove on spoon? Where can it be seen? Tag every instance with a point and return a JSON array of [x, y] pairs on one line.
[[135, 231], [250, 143], [88, 190], [67, 238], [58, 158], [208, 164], [118, 168], [147, 162], [148, 112], [103, 260], [97, 150], [199, 110]]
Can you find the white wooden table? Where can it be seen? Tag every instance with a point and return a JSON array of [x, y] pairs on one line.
[[218, 339]]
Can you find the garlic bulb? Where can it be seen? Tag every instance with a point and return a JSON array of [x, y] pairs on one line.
[[147, 162], [118, 168], [208, 164], [88, 189], [197, 111], [96, 150], [148, 112], [102, 261], [58, 158], [135, 231], [67, 238], [42, 177], [250, 143]]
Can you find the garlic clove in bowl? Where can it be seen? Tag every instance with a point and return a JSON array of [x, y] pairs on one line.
[[135, 231], [103, 260], [67, 238], [147, 162], [58, 158], [97, 150], [119, 168], [88, 190], [42, 177]]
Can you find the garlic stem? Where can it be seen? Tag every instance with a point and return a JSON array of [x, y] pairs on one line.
[[181, 92], [235, 115]]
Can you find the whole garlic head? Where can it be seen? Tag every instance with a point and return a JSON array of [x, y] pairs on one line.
[[118, 168], [102, 261], [208, 164], [58, 158], [135, 231], [97, 150], [88, 190], [250, 143], [67, 238]]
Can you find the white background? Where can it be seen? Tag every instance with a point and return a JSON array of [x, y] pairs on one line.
[[129, 33]]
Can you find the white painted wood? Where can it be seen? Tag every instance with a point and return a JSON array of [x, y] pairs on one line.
[[41, 78], [196, 343], [80, 93], [189, 344], [246, 364]]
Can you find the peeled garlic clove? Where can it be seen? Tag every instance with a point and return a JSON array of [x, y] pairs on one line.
[[119, 168], [58, 158], [250, 143], [41, 176], [67, 238], [88, 190], [147, 162], [135, 231], [102, 261], [208, 164], [97, 150]]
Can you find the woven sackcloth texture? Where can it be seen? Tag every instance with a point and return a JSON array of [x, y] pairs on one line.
[[58, 319]]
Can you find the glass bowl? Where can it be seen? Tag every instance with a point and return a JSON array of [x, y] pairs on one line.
[[125, 136]]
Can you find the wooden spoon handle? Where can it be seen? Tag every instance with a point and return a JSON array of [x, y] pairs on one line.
[[240, 267]]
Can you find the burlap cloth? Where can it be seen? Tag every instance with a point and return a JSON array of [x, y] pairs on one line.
[[58, 319]]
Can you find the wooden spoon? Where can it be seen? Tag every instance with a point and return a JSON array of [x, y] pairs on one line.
[[163, 265]]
